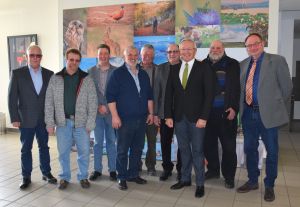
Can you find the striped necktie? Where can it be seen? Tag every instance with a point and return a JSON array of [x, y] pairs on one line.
[[185, 75], [249, 84]]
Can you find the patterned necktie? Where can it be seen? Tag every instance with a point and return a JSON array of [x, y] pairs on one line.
[[185, 75], [249, 84]]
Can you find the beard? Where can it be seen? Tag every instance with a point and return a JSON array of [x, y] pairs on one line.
[[215, 57]]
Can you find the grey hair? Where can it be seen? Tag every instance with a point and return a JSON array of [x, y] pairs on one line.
[[32, 46], [188, 40]]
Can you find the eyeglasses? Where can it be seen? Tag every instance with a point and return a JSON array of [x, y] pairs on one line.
[[74, 60], [173, 51], [255, 44], [38, 56]]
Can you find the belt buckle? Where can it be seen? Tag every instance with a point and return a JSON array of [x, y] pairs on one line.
[[72, 117]]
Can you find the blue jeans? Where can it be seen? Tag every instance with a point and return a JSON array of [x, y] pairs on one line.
[[131, 137], [190, 142], [27, 136], [104, 129], [65, 137], [253, 128]]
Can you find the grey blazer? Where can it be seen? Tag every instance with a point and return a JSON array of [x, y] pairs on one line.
[[159, 88], [95, 75], [25, 105], [274, 89]]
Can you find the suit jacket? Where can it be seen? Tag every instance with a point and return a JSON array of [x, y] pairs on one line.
[[25, 105], [232, 80], [274, 89], [95, 75], [195, 101]]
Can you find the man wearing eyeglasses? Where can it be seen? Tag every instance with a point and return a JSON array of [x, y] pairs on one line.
[[222, 122], [71, 106], [26, 102], [166, 133], [265, 89], [188, 99]]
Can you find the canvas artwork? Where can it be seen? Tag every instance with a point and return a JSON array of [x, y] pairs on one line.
[[17, 46], [153, 19], [239, 18]]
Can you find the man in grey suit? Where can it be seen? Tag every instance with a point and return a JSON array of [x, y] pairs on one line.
[[265, 89], [26, 102], [166, 133], [101, 74]]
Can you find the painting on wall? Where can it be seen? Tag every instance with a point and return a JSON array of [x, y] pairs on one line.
[[240, 18], [153, 19], [17, 46]]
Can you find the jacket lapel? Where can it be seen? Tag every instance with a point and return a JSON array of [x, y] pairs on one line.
[[263, 69]]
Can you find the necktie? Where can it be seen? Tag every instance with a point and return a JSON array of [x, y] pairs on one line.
[[249, 84], [185, 75]]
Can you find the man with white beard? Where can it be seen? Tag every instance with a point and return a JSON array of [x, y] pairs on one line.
[[222, 122]]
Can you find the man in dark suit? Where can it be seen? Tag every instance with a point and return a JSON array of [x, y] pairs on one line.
[[222, 122], [26, 104], [166, 133], [265, 89], [188, 99]]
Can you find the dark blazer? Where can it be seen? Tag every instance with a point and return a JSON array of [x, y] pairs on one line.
[[195, 101], [232, 80], [25, 105]]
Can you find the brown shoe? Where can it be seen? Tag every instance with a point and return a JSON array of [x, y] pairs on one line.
[[63, 184], [84, 183], [247, 187]]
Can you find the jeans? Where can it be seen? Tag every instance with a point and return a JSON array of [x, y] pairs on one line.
[[226, 131], [131, 137], [65, 137], [151, 133], [104, 129], [26, 138], [190, 141], [166, 136], [253, 128]]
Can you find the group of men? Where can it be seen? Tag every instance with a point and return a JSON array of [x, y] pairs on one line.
[[200, 100]]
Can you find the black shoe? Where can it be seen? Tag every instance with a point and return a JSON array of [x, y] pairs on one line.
[[247, 187], [122, 185], [180, 185], [269, 194], [63, 184], [165, 175], [151, 171], [229, 183], [178, 178], [25, 183], [211, 175], [113, 176], [85, 183], [137, 180], [94, 175], [50, 178], [199, 191]]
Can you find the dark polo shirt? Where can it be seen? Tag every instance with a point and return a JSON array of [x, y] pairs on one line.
[[70, 90]]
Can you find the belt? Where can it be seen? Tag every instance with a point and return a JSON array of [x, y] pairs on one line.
[[253, 107], [72, 117]]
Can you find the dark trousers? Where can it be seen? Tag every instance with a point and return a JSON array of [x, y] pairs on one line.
[[131, 138], [151, 133], [253, 128], [27, 136], [166, 135], [226, 131]]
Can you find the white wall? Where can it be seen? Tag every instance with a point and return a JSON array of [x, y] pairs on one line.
[[45, 18]]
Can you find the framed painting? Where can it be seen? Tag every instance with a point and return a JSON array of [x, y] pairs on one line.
[[17, 46]]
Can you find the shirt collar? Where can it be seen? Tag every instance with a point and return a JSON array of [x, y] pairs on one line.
[[190, 63], [32, 70]]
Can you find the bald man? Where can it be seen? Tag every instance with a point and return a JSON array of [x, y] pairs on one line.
[[222, 121]]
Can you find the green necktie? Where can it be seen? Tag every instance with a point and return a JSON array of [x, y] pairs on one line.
[[185, 75]]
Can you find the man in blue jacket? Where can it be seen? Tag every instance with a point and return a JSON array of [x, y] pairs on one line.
[[130, 101]]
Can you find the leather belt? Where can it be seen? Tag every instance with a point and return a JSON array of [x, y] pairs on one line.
[[72, 117]]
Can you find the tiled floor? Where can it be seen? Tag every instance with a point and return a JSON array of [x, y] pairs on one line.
[[157, 194]]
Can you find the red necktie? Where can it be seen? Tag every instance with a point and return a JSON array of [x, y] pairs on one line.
[[249, 84]]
